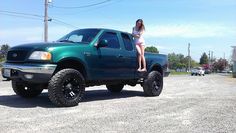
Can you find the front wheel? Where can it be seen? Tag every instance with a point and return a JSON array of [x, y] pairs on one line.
[[153, 84], [115, 88], [26, 90], [66, 88]]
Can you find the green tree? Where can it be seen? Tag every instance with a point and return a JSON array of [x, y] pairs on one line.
[[194, 64], [151, 49], [179, 61], [173, 60], [204, 59], [4, 49], [3, 52]]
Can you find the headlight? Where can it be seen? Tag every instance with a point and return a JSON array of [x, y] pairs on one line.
[[40, 55]]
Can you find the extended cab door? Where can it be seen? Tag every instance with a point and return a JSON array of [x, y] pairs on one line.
[[107, 61], [129, 56]]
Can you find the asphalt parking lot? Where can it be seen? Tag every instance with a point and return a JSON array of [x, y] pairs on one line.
[[187, 104]]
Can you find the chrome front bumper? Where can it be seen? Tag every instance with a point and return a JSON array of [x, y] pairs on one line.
[[31, 68], [38, 73]]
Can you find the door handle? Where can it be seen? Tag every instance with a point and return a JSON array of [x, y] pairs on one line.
[[120, 56]]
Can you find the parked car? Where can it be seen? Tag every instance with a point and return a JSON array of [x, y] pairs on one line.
[[207, 71], [226, 71], [198, 71], [82, 58]]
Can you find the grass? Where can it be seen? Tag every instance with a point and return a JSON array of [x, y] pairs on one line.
[[178, 73]]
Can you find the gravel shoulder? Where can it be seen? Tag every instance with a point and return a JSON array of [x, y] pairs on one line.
[[187, 104]]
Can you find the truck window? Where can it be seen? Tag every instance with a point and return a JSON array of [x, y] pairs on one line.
[[112, 39], [127, 42], [80, 36]]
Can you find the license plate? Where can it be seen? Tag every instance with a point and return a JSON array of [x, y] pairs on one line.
[[7, 73]]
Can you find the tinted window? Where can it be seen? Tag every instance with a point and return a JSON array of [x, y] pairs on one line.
[[127, 42], [112, 39], [80, 36]]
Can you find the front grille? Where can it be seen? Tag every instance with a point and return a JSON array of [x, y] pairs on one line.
[[17, 55]]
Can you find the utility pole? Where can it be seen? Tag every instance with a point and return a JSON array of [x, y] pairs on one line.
[[209, 58], [189, 58], [225, 64], [46, 21]]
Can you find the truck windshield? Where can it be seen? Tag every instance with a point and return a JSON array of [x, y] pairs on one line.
[[80, 36]]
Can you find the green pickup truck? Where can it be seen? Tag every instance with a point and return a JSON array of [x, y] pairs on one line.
[[82, 58]]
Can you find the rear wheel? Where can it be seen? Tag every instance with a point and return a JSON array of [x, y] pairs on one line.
[[66, 88], [115, 87], [26, 90], [153, 84]]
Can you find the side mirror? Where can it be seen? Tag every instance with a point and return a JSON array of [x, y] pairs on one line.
[[102, 43]]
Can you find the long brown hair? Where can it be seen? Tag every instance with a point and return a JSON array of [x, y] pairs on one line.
[[142, 27]]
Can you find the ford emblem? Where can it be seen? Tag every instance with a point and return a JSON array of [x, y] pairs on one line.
[[14, 55]]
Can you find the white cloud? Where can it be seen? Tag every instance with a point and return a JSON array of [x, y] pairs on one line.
[[20, 35], [189, 30], [31, 34]]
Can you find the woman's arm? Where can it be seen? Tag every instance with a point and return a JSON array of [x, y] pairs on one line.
[[135, 35]]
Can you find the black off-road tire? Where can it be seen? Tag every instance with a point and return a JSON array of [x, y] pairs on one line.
[[26, 90], [153, 84], [115, 88], [66, 88]]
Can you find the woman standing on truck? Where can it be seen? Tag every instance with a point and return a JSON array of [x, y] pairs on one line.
[[137, 33]]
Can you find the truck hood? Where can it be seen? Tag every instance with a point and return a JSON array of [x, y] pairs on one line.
[[43, 46]]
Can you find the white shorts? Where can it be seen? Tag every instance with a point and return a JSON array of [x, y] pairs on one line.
[[139, 41]]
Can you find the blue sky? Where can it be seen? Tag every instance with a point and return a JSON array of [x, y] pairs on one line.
[[170, 24]]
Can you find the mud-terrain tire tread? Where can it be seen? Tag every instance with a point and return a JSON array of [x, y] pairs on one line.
[[148, 84], [56, 95]]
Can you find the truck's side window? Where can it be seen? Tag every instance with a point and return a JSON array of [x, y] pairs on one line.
[[127, 42], [112, 39]]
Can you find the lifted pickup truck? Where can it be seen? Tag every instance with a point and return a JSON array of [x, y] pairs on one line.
[[82, 58]]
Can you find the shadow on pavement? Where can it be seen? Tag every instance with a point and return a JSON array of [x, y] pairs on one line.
[[96, 95], [43, 100]]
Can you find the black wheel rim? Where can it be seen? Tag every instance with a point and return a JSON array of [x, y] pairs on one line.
[[156, 85], [71, 88], [28, 87]]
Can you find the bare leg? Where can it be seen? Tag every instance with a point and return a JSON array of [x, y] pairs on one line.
[[143, 58], [139, 57]]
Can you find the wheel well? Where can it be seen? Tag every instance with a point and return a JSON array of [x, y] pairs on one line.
[[71, 64], [157, 68]]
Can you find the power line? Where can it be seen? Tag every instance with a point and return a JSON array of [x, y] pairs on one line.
[[88, 9], [20, 16], [20, 13], [84, 6], [33, 16], [59, 21]]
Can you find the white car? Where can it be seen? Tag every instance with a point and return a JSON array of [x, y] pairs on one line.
[[198, 71]]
